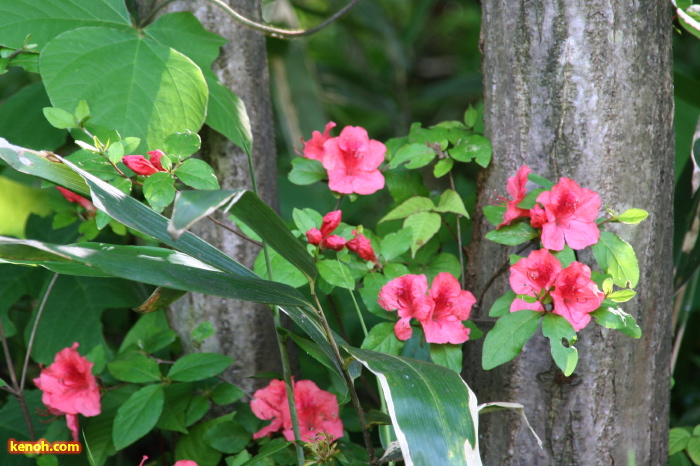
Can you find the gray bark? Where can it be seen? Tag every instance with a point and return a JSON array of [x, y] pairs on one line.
[[583, 90], [244, 331]]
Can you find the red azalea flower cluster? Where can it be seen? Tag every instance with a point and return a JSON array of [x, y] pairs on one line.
[[440, 311], [142, 166], [317, 410], [351, 159], [70, 388], [80, 200], [325, 239], [573, 292], [566, 214]]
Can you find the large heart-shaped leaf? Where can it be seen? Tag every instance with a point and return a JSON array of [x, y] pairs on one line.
[[45, 19], [132, 84]]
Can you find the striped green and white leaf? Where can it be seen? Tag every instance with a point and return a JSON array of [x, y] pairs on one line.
[[433, 411]]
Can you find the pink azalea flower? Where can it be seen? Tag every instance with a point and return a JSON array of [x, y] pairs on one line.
[[352, 161], [516, 189], [575, 295], [323, 237], [317, 410], [185, 463], [530, 275], [313, 148], [141, 166], [538, 217], [571, 214], [80, 200], [407, 295], [361, 245], [452, 305], [69, 387]]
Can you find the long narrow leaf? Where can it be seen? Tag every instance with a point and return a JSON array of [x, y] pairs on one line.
[[432, 409], [191, 206], [155, 266], [30, 162]]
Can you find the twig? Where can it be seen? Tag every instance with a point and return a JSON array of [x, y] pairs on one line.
[[502, 269], [18, 394], [271, 31], [241, 235], [459, 236]]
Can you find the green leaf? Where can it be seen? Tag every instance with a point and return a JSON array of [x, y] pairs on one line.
[[443, 167], [192, 206], [447, 355], [95, 64], [336, 273], [197, 174], [135, 368], [32, 130], [82, 112], [282, 270], [381, 338], [432, 410], [530, 199], [557, 328], [693, 449], [198, 407], [199, 366], [512, 235], [371, 284], [159, 191], [195, 447], [228, 437], [473, 147], [45, 19], [540, 181], [451, 202], [266, 451], [494, 214], [156, 266], [470, 116], [115, 151], [622, 296], [403, 184], [417, 155], [177, 398], [306, 171], [506, 339], [226, 393], [98, 430], [566, 256], [678, 440], [616, 318], [423, 226], [202, 332], [306, 219], [142, 333], [264, 221], [409, 207], [137, 416], [59, 118], [443, 262], [616, 257], [395, 244], [501, 306], [632, 216], [182, 145], [225, 111]]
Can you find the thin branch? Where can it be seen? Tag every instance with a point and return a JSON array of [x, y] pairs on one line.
[[33, 334], [279, 33], [459, 236], [241, 235], [502, 269], [17, 392]]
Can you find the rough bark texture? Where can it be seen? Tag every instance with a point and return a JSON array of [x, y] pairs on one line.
[[583, 90], [244, 331]]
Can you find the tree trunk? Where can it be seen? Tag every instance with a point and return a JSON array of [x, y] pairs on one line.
[[583, 90], [244, 331]]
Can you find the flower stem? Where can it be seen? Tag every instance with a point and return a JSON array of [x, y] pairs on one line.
[[348, 380], [281, 341]]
